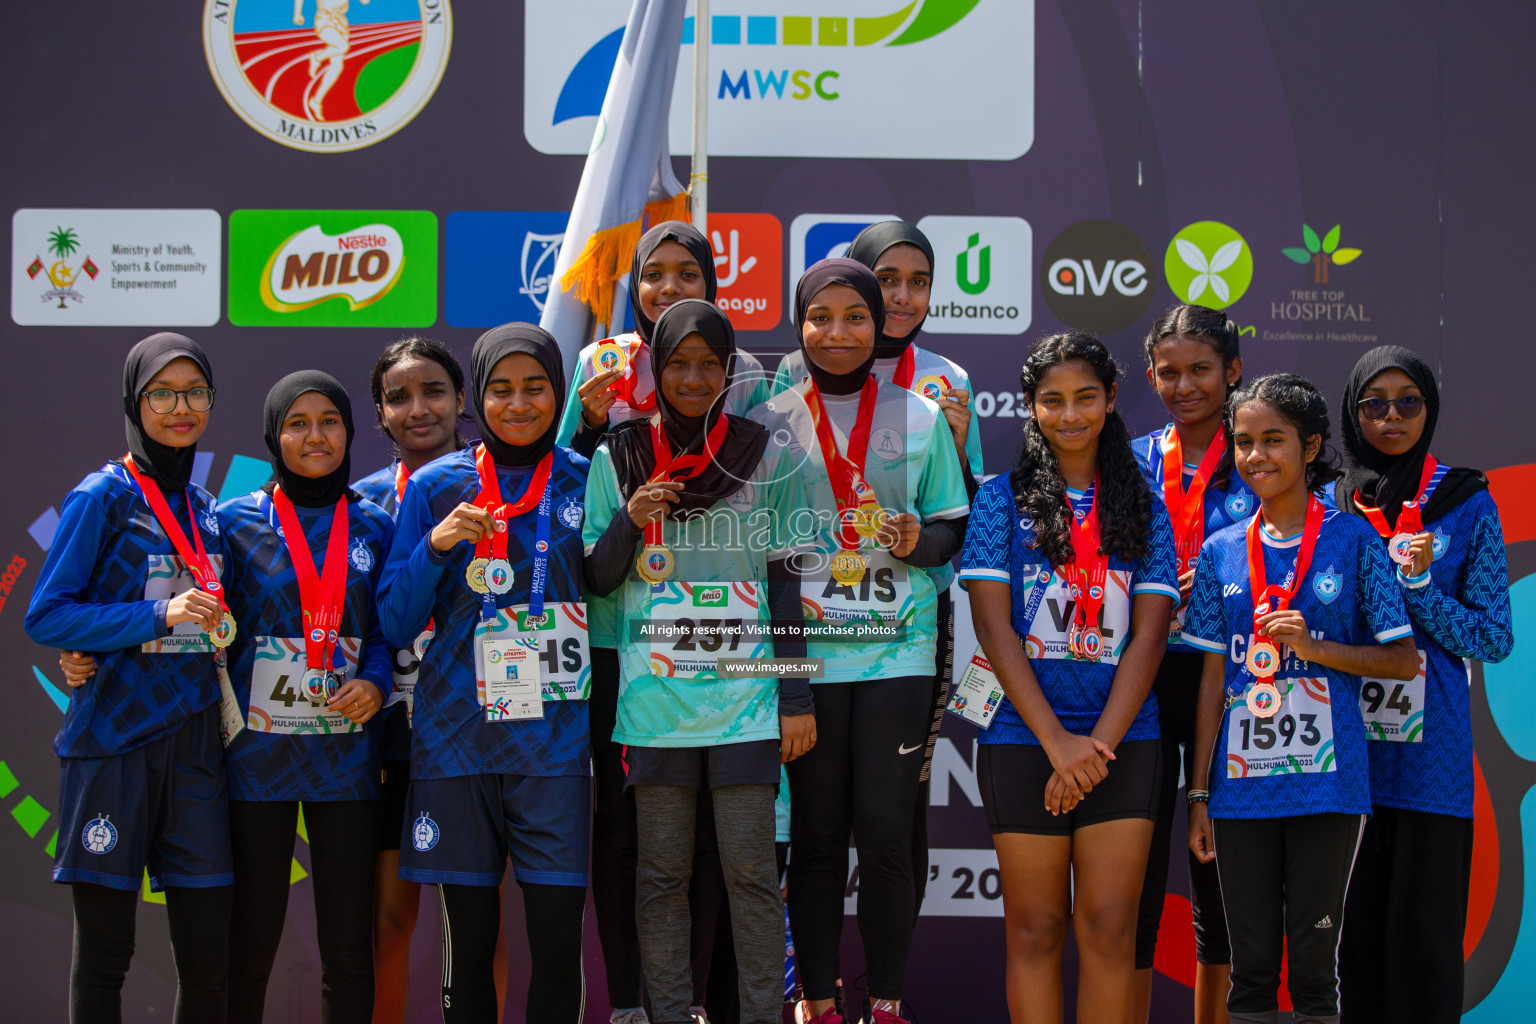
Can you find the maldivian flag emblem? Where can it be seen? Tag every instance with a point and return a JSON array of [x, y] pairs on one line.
[[90, 268], [36, 267]]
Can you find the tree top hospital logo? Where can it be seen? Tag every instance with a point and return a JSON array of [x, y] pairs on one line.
[[99, 835], [1208, 264], [327, 76], [1097, 276]]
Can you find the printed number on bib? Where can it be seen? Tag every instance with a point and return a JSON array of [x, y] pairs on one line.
[[1394, 709], [168, 577], [697, 624], [512, 687], [1296, 740], [278, 704], [565, 664], [884, 593]]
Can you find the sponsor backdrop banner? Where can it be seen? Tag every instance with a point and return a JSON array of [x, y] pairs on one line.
[[297, 184]]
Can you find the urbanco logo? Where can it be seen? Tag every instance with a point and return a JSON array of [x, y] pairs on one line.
[[1097, 275], [1208, 264], [785, 84], [982, 281], [327, 75], [1321, 253]]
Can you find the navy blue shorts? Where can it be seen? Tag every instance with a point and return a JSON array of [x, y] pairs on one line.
[[163, 806], [460, 831]]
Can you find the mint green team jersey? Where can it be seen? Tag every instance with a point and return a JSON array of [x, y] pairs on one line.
[[913, 467], [791, 371], [749, 388], [670, 691]]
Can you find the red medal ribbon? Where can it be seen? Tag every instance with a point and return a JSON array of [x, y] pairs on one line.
[[1186, 508], [197, 561], [906, 366], [401, 476], [1276, 597], [1089, 569], [845, 472], [489, 498], [322, 594], [625, 385], [680, 467], [1411, 519]]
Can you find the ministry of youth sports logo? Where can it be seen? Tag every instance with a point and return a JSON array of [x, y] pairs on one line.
[[424, 833], [99, 835], [327, 75]]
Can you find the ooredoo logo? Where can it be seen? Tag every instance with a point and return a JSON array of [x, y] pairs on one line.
[[1097, 276], [981, 283], [1208, 264], [327, 75], [749, 257]]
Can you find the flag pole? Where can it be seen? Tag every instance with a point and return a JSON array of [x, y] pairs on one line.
[[698, 177]]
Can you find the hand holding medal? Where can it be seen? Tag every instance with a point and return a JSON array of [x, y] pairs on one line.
[[860, 516], [1407, 543], [656, 562], [489, 573], [1272, 617]]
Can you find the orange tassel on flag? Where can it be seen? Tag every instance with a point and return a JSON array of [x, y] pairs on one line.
[[609, 254]]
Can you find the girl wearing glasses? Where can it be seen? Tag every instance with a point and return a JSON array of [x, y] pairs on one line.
[[132, 585], [1402, 955], [1292, 608]]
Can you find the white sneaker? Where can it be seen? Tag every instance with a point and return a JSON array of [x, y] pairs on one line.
[[635, 1016], [699, 1016]]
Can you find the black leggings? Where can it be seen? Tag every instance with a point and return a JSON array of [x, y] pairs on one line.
[[943, 672], [104, 931], [343, 845], [1177, 686], [861, 777], [557, 989], [1283, 881]]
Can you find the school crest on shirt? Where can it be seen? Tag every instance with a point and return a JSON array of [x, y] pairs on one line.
[[361, 555], [887, 444], [99, 835], [209, 521], [1327, 585], [570, 514], [424, 833], [1239, 504], [741, 501], [1441, 542]]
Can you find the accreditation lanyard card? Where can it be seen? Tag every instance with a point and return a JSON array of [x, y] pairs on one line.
[[1296, 739], [512, 688], [278, 704], [977, 692], [559, 642], [697, 624], [1393, 709], [884, 593], [167, 578]]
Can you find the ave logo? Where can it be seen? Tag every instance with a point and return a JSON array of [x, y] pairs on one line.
[[981, 284], [749, 257], [1097, 276]]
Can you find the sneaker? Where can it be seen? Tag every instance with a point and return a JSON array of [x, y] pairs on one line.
[[699, 1016], [635, 1016], [883, 1017], [803, 1015]]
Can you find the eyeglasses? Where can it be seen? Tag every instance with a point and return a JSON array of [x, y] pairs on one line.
[[1408, 407], [163, 400]]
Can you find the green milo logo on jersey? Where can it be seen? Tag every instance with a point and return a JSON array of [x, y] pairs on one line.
[[710, 597]]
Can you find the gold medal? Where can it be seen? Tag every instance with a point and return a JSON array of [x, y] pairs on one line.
[[609, 356], [849, 567], [932, 387], [474, 575], [868, 519], [655, 563], [224, 634], [1263, 659]]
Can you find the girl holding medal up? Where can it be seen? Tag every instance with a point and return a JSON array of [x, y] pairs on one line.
[[1292, 608], [684, 516], [884, 501], [131, 585], [1070, 568], [1193, 361], [1402, 954], [488, 548], [310, 668]]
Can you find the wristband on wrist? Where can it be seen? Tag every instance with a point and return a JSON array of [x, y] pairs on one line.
[[1197, 796]]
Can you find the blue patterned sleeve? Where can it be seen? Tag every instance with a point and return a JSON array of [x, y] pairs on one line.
[[408, 585], [985, 555], [1475, 622], [1377, 583], [1205, 625], [1155, 573], [377, 664]]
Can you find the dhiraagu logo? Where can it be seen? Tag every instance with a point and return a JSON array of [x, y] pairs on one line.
[[784, 76], [1208, 264]]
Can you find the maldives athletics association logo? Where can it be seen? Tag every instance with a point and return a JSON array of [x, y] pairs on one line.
[[327, 76]]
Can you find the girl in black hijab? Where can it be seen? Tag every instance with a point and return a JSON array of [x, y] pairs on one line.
[[688, 487], [488, 549], [307, 675], [879, 691], [141, 781], [1401, 956]]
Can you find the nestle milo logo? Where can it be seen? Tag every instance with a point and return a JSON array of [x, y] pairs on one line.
[[710, 597]]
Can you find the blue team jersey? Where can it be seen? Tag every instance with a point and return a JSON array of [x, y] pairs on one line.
[[103, 589], [1460, 613], [1000, 546], [379, 488], [1348, 596], [288, 751], [450, 734], [1223, 506]]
